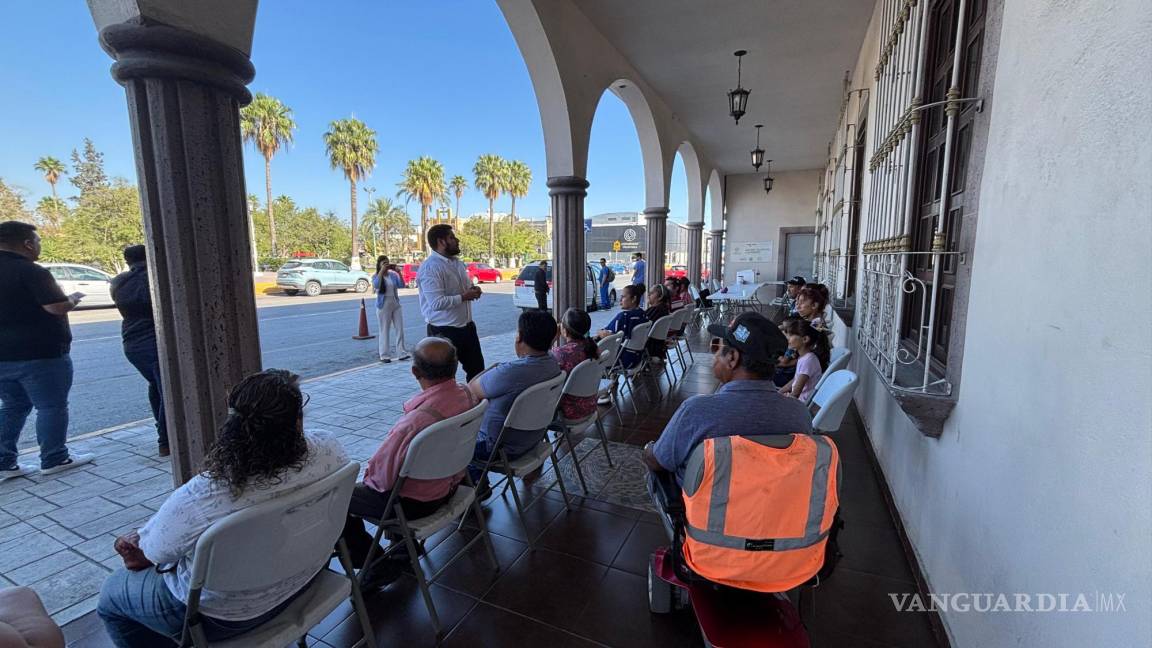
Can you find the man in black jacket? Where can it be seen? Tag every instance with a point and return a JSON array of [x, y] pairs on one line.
[[133, 299], [540, 286]]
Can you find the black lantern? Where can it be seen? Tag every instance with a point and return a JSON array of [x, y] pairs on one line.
[[768, 179], [738, 98], [758, 153]]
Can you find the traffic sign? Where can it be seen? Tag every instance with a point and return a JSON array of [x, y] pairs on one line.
[[616, 246]]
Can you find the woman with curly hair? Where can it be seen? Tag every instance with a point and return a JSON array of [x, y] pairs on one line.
[[261, 451]]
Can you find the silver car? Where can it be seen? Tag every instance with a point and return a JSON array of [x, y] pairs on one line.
[[73, 277]]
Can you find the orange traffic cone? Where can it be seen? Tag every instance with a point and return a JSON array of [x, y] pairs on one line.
[[363, 335]]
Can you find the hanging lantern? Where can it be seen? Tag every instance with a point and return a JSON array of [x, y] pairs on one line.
[[738, 98], [758, 153], [768, 179]]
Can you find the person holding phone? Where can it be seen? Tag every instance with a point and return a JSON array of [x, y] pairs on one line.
[[35, 366]]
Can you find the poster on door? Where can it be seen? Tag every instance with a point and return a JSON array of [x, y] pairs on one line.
[[752, 252]]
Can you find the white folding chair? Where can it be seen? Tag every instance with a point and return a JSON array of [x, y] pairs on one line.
[[838, 359], [659, 333], [833, 398], [678, 337], [583, 382], [637, 344], [443, 449], [260, 546], [533, 409], [609, 353]]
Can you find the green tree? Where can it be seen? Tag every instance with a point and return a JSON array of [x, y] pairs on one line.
[[52, 169], [104, 222], [423, 182], [88, 169], [12, 205], [458, 184], [268, 124], [518, 181], [352, 148], [51, 212], [491, 178], [381, 220]]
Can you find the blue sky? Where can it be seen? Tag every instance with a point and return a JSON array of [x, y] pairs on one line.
[[438, 78]]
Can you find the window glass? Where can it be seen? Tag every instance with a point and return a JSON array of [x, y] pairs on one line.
[[290, 265], [60, 273], [321, 265], [87, 274], [332, 265]]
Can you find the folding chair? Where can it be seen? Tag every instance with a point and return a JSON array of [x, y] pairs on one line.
[[443, 449], [833, 398], [838, 360], [676, 338], [259, 546], [636, 344], [583, 382], [609, 353], [533, 409], [659, 332]]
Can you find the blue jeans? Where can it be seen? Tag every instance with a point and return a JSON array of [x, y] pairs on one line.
[[43, 384], [147, 362], [604, 296], [139, 611]]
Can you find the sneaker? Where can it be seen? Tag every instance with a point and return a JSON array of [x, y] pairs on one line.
[[16, 470], [383, 573], [385, 359], [163, 450], [403, 356], [483, 489], [605, 399], [77, 459]]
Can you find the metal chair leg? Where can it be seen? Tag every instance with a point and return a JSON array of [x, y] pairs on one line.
[[484, 531], [357, 595], [560, 478], [575, 461], [520, 514], [419, 573], [603, 439]]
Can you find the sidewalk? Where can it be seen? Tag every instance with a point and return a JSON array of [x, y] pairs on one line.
[[56, 532]]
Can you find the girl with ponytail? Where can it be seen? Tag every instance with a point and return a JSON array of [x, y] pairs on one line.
[[813, 353], [577, 346]]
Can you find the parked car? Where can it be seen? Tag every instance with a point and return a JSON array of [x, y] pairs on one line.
[[524, 295], [620, 268], [482, 272], [677, 271], [315, 276], [408, 273], [95, 284]]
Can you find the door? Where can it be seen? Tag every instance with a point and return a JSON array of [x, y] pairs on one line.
[[798, 254], [341, 275], [94, 284]]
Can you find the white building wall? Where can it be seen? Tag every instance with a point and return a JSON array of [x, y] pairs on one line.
[[1042, 479], [756, 216]]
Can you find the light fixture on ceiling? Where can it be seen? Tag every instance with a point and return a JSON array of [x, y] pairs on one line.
[[738, 98], [758, 153], [768, 179]]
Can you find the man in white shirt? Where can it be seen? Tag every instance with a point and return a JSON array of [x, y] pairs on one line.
[[446, 296]]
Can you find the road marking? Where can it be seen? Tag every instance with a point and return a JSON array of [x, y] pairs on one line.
[[95, 339], [343, 310]]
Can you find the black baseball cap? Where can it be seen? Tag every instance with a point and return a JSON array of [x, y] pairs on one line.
[[796, 281], [753, 335]]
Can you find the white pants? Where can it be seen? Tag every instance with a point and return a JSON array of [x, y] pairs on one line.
[[391, 338]]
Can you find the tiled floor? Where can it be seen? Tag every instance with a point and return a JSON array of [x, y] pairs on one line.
[[584, 584]]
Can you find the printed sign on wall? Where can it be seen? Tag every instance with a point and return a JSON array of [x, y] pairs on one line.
[[752, 252]]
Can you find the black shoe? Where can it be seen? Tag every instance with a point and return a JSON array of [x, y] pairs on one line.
[[384, 572], [483, 489]]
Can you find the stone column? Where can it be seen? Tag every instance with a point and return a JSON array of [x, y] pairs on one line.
[[717, 261], [568, 257], [184, 93], [657, 218], [695, 241]]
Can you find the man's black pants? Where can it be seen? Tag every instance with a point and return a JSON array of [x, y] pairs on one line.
[[467, 344], [542, 301], [370, 503], [147, 362]]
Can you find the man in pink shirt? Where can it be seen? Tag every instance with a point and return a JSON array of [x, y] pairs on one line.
[[434, 365]]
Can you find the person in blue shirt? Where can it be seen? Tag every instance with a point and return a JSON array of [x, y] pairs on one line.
[[389, 315], [629, 317], [606, 277]]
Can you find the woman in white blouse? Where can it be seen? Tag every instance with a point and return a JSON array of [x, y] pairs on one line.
[[261, 452]]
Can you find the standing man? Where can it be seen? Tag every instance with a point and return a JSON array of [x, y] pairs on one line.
[[540, 286], [35, 368], [134, 301], [638, 274], [446, 294], [606, 278]]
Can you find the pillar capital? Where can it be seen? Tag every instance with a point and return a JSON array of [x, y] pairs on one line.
[[716, 232], [163, 52], [567, 186], [652, 213], [698, 225]]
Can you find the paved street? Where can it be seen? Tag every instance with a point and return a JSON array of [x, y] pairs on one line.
[[311, 336]]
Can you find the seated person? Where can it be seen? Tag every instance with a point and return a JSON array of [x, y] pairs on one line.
[[628, 318], [657, 308], [810, 305], [577, 348], [786, 365], [793, 291], [502, 383], [434, 366], [812, 351], [262, 451]]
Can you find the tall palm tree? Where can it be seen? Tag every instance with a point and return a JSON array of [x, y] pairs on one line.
[[352, 148], [268, 124], [423, 182], [519, 179], [458, 184], [491, 178], [52, 170], [381, 214]]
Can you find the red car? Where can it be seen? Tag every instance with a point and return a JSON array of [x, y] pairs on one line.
[[482, 272], [408, 273], [677, 271]]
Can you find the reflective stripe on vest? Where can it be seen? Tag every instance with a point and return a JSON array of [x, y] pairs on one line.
[[718, 503]]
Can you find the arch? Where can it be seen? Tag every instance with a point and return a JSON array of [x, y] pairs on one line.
[[716, 194], [651, 151], [695, 185]]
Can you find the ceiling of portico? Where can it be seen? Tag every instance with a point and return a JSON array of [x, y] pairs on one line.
[[798, 52]]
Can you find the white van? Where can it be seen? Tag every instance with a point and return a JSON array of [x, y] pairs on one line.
[[524, 294], [73, 277]]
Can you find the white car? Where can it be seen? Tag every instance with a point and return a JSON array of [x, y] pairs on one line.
[[524, 295], [95, 284]]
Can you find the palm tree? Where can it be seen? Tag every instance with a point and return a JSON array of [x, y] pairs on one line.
[[352, 148], [268, 124], [381, 214], [519, 179], [491, 178], [424, 182], [52, 170], [458, 184]]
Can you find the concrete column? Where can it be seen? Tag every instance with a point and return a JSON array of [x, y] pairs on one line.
[[568, 257], [695, 241], [657, 218], [184, 93], [717, 261]]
